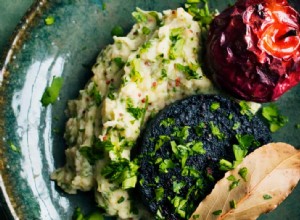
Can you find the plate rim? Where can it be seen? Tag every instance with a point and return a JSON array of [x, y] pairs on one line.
[[33, 13]]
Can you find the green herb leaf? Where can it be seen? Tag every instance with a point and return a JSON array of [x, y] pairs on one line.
[[117, 31], [177, 186], [164, 74], [199, 129], [140, 17], [13, 147], [137, 113], [145, 47], [177, 43], [231, 178], [198, 148], [146, 30], [119, 62], [95, 94], [180, 206], [51, 93], [121, 199], [165, 165], [216, 131], [78, 215], [181, 133], [274, 118], [236, 126], [234, 184], [232, 204], [122, 172], [196, 216], [162, 139], [49, 20], [245, 109], [215, 106], [95, 216], [225, 165], [243, 172], [167, 122], [267, 197], [96, 151], [159, 194], [217, 212], [189, 71]]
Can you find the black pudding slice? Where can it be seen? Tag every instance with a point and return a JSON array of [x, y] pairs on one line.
[[181, 148]]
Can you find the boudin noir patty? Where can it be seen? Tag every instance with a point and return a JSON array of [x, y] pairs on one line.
[[188, 147]]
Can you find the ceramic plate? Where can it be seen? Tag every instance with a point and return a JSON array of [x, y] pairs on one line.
[[32, 143]]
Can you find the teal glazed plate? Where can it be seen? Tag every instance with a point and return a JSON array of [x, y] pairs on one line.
[[32, 144]]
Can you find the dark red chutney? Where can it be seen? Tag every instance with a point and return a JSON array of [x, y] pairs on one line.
[[253, 49]]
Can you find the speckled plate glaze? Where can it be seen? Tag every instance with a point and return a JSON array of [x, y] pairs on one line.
[[68, 48]]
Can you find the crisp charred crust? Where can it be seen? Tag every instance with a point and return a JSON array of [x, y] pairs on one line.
[[192, 112]]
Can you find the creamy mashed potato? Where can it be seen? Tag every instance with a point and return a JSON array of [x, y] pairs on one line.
[[154, 65]]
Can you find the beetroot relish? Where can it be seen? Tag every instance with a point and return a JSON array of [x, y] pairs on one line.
[[254, 49]]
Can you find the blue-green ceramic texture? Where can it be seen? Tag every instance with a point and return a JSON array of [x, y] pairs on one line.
[[68, 48]]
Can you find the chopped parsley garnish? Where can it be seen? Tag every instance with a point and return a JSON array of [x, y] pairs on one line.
[[245, 109], [189, 71], [95, 94], [181, 133], [195, 216], [167, 122], [121, 199], [198, 148], [199, 129], [216, 131], [231, 178], [236, 126], [267, 197], [136, 112], [96, 151], [243, 172], [235, 182], [274, 118], [177, 43], [163, 74], [51, 93], [91, 154], [177, 186], [159, 194], [119, 62], [49, 20], [214, 106], [179, 204], [165, 165], [145, 47], [200, 11], [162, 139], [146, 30], [225, 165], [134, 74], [13, 147], [77, 215], [122, 172], [217, 212], [240, 150], [232, 204], [117, 31], [139, 17]]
